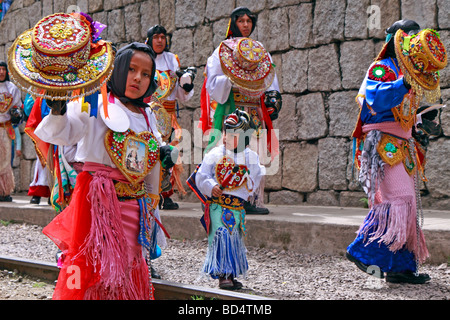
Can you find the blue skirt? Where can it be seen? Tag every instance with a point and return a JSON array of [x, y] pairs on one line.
[[378, 254]]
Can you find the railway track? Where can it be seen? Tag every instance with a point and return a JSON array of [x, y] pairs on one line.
[[164, 290]]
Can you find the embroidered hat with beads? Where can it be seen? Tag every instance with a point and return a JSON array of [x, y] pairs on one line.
[[61, 58], [420, 58]]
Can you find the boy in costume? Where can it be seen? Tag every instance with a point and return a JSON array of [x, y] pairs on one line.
[[227, 177], [240, 74], [389, 160]]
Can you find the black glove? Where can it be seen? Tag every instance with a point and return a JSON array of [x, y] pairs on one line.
[[59, 107], [191, 71], [273, 103], [168, 156]]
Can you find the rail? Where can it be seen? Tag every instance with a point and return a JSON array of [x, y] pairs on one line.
[[164, 290]]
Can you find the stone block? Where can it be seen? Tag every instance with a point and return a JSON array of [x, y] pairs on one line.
[[116, 30], [203, 44], [28, 148], [133, 26], [385, 13], [423, 12], [215, 9], [352, 199], [355, 59], [343, 112], [294, 71], [333, 154], [183, 45], [300, 25], [287, 119], [443, 8], [112, 4], [219, 32], [437, 168], [445, 113], [149, 11], [445, 73], [254, 6], [167, 14], [285, 197], [95, 6], [300, 166], [323, 198], [311, 119], [329, 17], [189, 13], [356, 20], [273, 29], [323, 69]]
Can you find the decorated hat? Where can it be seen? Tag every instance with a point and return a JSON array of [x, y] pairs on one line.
[[61, 58], [247, 64], [420, 58]]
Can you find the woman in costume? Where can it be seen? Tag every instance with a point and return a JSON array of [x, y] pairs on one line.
[[228, 175], [113, 214], [9, 98], [174, 86], [240, 74], [389, 160]]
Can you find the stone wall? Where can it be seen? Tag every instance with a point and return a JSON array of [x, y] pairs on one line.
[[321, 50]]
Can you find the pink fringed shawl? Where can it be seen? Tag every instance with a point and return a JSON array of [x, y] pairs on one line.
[[394, 212]]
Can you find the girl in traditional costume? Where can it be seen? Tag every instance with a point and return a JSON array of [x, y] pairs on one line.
[[389, 160], [228, 176], [113, 214], [240, 74]]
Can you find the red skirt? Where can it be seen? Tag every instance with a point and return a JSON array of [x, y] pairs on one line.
[[90, 270]]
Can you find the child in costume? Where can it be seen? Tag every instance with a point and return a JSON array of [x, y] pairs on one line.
[[228, 176], [240, 74], [113, 214], [387, 156]]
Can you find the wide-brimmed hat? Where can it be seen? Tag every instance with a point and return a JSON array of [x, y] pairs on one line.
[[247, 64], [420, 58], [61, 58]]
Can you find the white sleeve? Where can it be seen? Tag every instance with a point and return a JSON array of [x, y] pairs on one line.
[[205, 177], [15, 92], [65, 130], [217, 83]]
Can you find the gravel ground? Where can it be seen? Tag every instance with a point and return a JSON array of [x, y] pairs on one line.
[[280, 275]]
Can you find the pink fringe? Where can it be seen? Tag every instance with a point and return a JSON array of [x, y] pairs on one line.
[[106, 245], [395, 227]]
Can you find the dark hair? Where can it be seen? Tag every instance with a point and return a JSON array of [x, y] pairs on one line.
[[3, 64], [239, 12], [158, 29], [117, 82]]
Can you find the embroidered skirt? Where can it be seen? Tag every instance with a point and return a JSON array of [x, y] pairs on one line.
[[389, 236], [99, 239], [226, 255]]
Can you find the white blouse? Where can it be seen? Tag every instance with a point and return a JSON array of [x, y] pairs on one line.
[[9, 87], [88, 132], [205, 178]]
